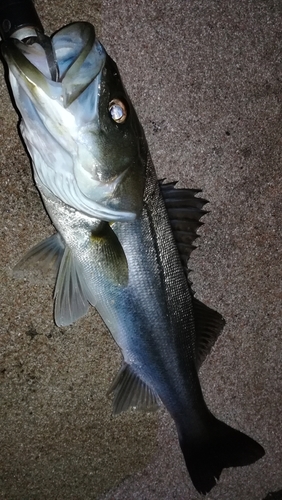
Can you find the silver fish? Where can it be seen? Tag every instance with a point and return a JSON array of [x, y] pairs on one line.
[[123, 239]]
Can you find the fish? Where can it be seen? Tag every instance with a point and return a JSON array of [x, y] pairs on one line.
[[123, 239]]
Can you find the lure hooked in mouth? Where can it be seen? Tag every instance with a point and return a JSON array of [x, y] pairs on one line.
[[75, 117]]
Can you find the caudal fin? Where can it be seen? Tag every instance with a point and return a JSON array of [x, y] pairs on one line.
[[220, 447]]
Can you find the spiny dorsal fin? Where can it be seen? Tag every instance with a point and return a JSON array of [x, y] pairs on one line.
[[71, 292], [130, 391], [185, 211], [45, 255], [208, 325]]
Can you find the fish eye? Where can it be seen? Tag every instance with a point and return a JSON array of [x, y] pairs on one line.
[[118, 111]]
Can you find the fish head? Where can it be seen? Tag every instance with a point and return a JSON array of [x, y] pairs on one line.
[[81, 130]]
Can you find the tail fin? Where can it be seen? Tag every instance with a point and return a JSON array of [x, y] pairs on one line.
[[220, 447]]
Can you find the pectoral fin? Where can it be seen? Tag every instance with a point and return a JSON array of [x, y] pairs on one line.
[[131, 392], [109, 255]]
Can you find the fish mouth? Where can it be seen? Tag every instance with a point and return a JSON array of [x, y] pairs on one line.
[[76, 53], [58, 109]]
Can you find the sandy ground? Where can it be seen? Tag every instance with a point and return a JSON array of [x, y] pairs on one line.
[[205, 77]]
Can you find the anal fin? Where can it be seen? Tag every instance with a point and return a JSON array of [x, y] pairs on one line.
[[131, 392]]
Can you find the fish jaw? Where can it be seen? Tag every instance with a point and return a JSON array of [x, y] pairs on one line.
[[72, 138]]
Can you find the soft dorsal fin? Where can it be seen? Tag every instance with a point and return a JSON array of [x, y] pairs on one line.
[[130, 391], [208, 325], [45, 255], [71, 292], [185, 211]]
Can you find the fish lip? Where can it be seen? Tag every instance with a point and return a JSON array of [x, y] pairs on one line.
[[69, 83]]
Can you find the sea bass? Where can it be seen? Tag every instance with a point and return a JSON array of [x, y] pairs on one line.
[[123, 239]]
